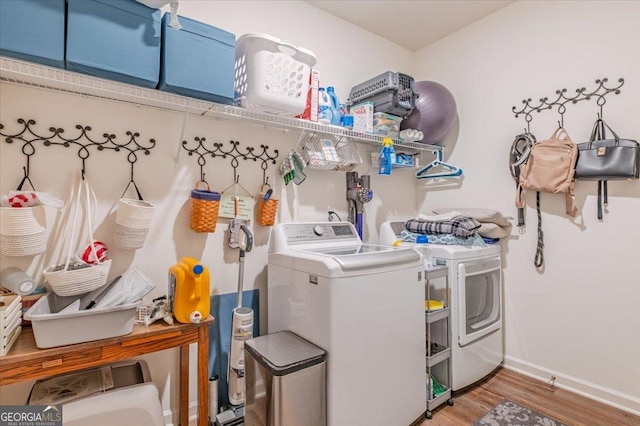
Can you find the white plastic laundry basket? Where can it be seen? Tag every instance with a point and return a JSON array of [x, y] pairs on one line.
[[272, 75]]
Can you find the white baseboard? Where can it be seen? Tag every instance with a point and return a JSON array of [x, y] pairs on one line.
[[193, 415], [602, 394]]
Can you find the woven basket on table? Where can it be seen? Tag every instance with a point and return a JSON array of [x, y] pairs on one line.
[[204, 209]]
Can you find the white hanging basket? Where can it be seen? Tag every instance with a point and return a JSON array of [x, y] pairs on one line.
[[22, 231], [74, 276]]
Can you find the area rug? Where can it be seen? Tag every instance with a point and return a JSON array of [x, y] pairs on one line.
[[512, 414]]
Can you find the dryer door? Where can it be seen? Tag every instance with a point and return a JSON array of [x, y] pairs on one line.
[[479, 299]]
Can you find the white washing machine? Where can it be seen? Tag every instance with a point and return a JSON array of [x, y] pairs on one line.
[[363, 305], [476, 303]]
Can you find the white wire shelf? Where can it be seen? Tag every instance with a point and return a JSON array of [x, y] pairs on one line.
[[24, 73]]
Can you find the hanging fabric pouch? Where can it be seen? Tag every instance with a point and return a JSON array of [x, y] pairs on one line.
[[72, 274]]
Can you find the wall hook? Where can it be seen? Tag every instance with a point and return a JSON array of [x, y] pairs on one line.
[[25, 179], [562, 99], [84, 142], [202, 152]]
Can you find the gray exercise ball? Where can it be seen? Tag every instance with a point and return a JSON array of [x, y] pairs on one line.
[[434, 113]]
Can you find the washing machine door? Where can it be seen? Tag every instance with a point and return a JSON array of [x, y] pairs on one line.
[[479, 299]]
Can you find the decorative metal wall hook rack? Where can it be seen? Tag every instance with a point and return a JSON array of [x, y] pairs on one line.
[[562, 98], [83, 141], [202, 152]]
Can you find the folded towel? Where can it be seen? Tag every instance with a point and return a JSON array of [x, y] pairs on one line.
[[439, 217], [459, 226], [491, 230], [446, 239], [479, 214]]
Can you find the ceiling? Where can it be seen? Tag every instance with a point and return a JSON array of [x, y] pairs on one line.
[[411, 24]]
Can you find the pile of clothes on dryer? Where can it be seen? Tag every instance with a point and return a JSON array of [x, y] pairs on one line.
[[459, 226]]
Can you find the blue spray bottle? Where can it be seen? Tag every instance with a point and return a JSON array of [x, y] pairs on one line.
[[335, 106], [387, 156]]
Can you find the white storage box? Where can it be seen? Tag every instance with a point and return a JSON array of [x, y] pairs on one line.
[[272, 75], [64, 328], [362, 117]]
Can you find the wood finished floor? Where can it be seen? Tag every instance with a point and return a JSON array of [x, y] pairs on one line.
[[472, 403]]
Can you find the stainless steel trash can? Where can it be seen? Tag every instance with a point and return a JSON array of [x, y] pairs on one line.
[[285, 380]]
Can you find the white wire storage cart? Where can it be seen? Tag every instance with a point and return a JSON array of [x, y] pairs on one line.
[[438, 350]]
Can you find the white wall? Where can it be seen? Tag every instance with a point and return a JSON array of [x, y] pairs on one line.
[[346, 56], [578, 319]]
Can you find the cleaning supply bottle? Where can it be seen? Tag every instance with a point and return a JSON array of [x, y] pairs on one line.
[[335, 106], [392, 153], [385, 157], [189, 291], [324, 106]]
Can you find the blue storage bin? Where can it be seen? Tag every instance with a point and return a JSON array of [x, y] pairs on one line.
[[33, 30], [197, 61], [114, 39]]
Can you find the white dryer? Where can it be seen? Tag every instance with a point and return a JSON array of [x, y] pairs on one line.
[[476, 303], [363, 305]]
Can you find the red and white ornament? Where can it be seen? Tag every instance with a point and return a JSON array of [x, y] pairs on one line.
[[23, 199], [101, 251]]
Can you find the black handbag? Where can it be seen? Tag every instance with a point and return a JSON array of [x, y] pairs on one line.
[[605, 159]]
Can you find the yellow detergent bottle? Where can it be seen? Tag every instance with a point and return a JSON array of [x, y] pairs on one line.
[[189, 290]]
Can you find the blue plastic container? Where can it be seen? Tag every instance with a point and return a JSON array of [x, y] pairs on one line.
[[197, 61], [33, 30], [114, 39]]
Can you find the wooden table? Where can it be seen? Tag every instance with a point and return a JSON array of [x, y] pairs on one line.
[[26, 362]]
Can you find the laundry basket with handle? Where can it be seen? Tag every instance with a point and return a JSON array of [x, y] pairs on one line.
[[73, 276], [272, 75]]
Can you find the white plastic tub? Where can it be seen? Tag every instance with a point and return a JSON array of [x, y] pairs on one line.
[[64, 328], [272, 75]]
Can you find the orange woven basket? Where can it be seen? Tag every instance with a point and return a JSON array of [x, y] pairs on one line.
[[267, 205], [267, 211], [204, 209]]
